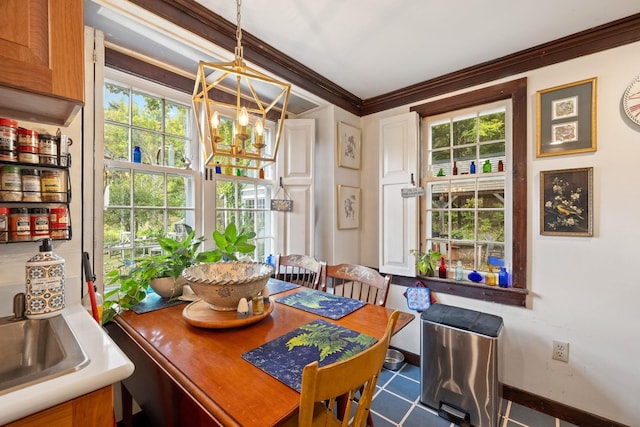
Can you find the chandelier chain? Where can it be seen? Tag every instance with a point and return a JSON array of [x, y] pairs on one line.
[[238, 50]]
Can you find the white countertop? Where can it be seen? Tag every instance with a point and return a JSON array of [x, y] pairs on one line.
[[107, 365]]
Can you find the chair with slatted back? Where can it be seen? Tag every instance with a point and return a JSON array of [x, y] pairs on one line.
[[357, 282], [355, 377], [302, 270]]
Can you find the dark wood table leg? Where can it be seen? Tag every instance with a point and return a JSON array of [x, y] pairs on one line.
[[127, 406]]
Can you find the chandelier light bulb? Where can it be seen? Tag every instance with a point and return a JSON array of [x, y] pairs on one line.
[[215, 120], [243, 120]]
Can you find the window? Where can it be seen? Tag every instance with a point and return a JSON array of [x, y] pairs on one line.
[[460, 203], [246, 202], [156, 196], [465, 212]]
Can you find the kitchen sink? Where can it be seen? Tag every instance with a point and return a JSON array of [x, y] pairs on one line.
[[33, 351]]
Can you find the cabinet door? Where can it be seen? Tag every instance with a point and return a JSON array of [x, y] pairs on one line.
[[398, 215], [41, 52]]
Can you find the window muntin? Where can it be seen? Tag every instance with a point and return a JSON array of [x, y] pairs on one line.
[[464, 213]]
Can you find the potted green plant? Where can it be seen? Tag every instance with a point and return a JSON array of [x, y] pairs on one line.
[[163, 272], [426, 261]]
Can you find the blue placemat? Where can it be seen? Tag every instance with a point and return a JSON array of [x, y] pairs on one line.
[[322, 303], [276, 286], [153, 302], [286, 356]]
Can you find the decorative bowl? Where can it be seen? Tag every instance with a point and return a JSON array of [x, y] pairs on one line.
[[223, 284]]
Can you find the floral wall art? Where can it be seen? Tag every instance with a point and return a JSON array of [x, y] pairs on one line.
[[349, 146], [566, 205]]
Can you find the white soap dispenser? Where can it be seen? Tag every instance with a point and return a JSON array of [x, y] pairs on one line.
[[44, 283]]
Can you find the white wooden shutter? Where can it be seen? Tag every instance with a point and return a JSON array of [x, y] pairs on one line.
[[296, 229], [398, 216]]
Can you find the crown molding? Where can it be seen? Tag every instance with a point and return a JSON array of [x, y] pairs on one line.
[[201, 21]]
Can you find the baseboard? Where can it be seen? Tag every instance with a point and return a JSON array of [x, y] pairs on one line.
[[539, 403]]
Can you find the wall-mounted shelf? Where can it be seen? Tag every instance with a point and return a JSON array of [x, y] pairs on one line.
[[58, 229]]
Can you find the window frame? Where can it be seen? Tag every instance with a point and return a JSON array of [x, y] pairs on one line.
[[473, 181], [194, 200], [516, 91]]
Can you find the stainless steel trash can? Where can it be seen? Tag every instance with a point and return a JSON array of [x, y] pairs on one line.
[[459, 364]]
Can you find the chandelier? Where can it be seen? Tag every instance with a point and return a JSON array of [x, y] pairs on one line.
[[232, 103]]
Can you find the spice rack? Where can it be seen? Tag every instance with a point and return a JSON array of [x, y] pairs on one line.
[[58, 227]]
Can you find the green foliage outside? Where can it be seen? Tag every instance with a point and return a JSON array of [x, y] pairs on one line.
[[160, 128]]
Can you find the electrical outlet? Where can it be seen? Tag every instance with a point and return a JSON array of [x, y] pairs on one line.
[[560, 351]]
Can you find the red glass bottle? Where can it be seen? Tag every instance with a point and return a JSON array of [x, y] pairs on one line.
[[442, 271]]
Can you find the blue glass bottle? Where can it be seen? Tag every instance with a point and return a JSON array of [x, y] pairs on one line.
[[472, 168], [137, 155], [503, 278]]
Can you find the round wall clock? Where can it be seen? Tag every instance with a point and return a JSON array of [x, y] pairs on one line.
[[631, 100]]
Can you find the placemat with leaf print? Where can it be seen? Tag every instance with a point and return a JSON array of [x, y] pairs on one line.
[[153, 302], [322, 303], [277, 286], [284, 358]]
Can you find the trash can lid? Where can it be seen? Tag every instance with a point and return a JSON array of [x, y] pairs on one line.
[[462, 318]]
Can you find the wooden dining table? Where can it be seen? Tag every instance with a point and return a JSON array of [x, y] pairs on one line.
[[193, 376]]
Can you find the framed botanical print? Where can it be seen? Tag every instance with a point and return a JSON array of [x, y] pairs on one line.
[[348, 207], [349, 146], [566, 119]]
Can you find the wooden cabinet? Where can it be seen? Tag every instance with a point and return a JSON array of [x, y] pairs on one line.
[[41, 60], [94, 409]]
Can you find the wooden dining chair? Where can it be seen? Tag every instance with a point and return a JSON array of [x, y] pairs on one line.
[[302, 270], [353, 379], [357, 282]]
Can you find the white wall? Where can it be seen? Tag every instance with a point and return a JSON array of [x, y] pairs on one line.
[[582, 290], [333, 245]]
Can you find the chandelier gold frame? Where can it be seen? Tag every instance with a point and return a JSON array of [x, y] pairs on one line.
[[212, 96]]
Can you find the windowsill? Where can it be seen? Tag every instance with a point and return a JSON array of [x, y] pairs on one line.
[[468, 289]]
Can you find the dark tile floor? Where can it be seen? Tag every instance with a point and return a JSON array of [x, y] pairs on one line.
[[397, 403]]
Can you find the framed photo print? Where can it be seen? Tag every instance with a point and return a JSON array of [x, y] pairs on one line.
[[566, 119], [566, 202], [348, 207], [349, 146]]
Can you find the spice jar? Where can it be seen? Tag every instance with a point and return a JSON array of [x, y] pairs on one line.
[[59, 223], [31, 186], [19, 225], [48, 149], [4, 224], [51, 186], [8, 140], [10, 184], [39, 222], [28, 146]]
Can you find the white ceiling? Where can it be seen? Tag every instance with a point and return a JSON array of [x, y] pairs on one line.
[[372, 47]]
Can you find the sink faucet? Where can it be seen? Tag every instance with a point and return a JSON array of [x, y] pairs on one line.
[[19, 306]]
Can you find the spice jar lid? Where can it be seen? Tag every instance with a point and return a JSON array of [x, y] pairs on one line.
[[8, 122], [29, 132], [35, 172], [46, 136], [37, 211], [10, 169], [4, 211], [19, 211]]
